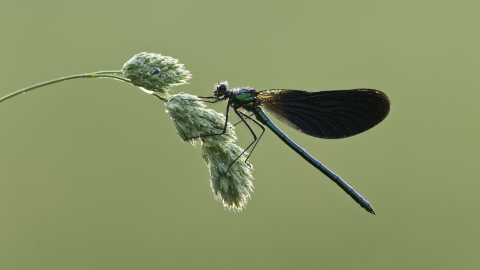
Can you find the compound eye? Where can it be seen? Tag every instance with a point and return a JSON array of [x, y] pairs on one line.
[[220, 88]]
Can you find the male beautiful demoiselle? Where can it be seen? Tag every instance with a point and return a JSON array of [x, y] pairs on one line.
[[323, 114]]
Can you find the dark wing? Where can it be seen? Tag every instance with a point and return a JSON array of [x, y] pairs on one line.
[[327, 114]]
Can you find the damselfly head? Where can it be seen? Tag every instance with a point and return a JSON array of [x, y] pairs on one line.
[[221, 89]]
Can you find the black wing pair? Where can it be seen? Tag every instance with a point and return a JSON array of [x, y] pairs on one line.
[[327, 114]]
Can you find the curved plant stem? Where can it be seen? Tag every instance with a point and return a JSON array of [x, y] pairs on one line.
[[112, 74], [159, 97]]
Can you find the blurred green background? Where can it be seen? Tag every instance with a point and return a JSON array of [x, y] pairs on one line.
[[93, 175]]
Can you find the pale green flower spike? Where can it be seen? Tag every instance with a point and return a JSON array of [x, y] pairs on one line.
[[155, 72], [192, 118]]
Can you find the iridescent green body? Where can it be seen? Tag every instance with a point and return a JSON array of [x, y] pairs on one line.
[[323, 114], [244, 98]]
